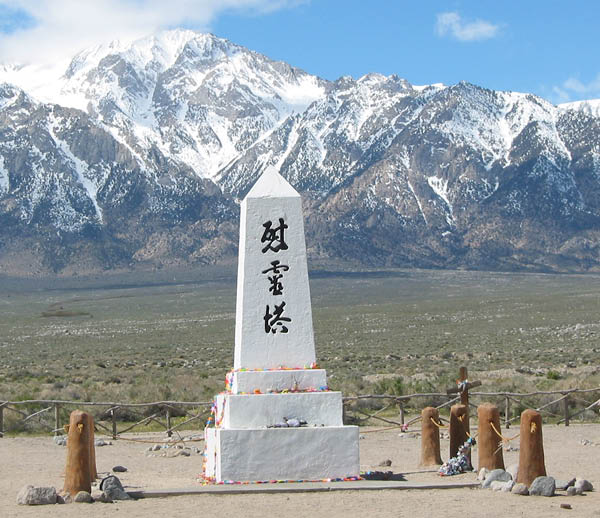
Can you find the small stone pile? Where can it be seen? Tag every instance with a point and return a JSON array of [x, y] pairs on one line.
[[110, 487], [504, 480], [172, 450]]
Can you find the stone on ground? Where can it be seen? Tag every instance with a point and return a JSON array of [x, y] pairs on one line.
[[571, 491], [83, 497], [30, 495], [564, 484], [501, 485], [102, 497], [520, 489], [508, 486], [496, 474], [482, 474], [542, 486], [119, 469], [583, 484], [113, 488]]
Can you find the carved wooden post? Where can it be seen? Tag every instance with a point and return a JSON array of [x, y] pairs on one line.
[[459, 422], [566, 407], [490, 455], [77, 472], [90, 425], [531, 454], [430, 437]]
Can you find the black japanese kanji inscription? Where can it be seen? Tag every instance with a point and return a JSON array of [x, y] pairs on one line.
[[277, 270], [275, 321], [274, 236]]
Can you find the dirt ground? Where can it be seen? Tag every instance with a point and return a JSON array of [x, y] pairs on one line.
[[40, 462]]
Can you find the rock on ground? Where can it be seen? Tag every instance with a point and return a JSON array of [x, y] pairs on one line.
[[571, 491], [583, 484], [542, 486], [508, 486], [564, 484], [102, 497], [113, 488], [501, 485], [520, 489], [482, 474], [83, 497], [30, 495], [496, 474]]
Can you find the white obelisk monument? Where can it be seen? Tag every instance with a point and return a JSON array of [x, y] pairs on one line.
[[275, 385]]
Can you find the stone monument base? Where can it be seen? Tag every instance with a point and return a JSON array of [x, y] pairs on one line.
[[265, 454]]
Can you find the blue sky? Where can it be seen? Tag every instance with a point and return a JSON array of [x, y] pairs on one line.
[[549, 47]]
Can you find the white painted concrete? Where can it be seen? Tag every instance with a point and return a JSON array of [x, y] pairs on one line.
[[274, 330], [277, 381], [283, 454], [272, 344], [262, 410]]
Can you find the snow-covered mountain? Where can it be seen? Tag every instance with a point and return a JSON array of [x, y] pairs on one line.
[[136, 153]]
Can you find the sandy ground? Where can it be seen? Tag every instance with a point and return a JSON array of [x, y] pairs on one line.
[[39, 461]]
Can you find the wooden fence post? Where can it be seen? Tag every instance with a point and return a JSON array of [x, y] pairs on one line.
[[113, 416], [401, 409], [169, 431], [56, 419], [464, 395], [566, 406], [507, 412], [1, 420]]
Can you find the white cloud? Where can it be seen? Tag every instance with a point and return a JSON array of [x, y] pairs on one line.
[[451, 24], [63, 27], [574, 90]]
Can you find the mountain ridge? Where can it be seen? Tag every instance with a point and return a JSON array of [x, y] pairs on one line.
[[155, 142]]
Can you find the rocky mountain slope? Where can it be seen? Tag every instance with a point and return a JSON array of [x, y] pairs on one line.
[[136, 155]]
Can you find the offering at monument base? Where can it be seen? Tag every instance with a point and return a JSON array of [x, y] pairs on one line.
[[277, 419], [245, 382]]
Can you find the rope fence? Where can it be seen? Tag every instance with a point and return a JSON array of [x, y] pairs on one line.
[[112, 418], [564, 405], [115, 419]]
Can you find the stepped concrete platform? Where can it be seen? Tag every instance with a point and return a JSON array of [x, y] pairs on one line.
[[276, 380], [263, 410], [311, 453]]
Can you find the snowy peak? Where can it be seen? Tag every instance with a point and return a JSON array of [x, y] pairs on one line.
[[137, 152], [591, 107]]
